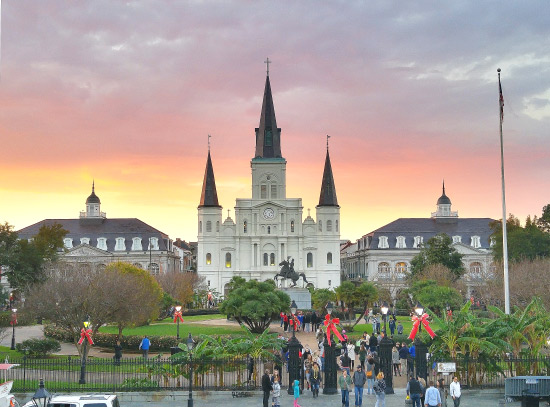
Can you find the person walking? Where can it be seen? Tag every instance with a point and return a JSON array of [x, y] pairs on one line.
[[359, 380], [414, 391], [351, 354], [424, 387], [266, 387], [362, 356], [308, 365], [250, 368], [296, 393], [432, 398], [370, 375], [373, 343], [276, 400], [345, 361], [403, 354], [395, 361], [345, 385], [380, 390], [442, 392], [454, 390], [391, 325], [118, 353], [399, 328], [144, 346], [315, 379]]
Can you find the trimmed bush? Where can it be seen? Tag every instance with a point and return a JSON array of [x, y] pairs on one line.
[[38, 347], [23, 319]]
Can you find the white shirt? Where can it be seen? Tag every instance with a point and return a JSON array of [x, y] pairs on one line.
[[454, 389]]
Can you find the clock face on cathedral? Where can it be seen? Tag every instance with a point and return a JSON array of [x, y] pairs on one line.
[[269, 213]]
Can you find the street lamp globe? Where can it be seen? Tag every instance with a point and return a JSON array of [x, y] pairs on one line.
[[178, 308], [14, 310], [329, 308], [42, 397], [190, 342], [293, 307], [384, 308], [419, 309]]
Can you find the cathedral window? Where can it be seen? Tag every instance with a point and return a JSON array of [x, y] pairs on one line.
[[200, 226], [309, 260], [208, 258], [383, 242], [418, 241], [457, 239], [209, 226], [291, 226], [400, 242], [245, 230], [329, 258], [102, 243], [476, 242], [263, 191], [217, 226], [272, 259], [336, 224], [227, 260], [68, 242], [269, 230], [84, 240], [120, 244], [136, 243], [320, 226], [154, 269], [273, 191], [266, 259], [268, 138], [329, 226]]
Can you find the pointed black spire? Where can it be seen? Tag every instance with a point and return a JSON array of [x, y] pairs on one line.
[[328, 190], [93, 198], [443, 199], [268, 135], [209, 195]]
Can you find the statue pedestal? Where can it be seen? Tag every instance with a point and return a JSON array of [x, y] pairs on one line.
[[301, 296]]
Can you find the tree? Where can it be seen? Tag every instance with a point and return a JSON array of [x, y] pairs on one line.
[[180, 286], [543, 222], [255, 304], [435, 297], [320, 297], [438, 250], [353, 296]]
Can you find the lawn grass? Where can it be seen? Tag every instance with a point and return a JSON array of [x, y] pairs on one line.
[[170, 329], [5, 351], [195, 318], [405, 321]]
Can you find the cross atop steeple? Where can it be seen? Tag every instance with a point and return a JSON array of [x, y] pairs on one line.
[[267, 62], [209, 142], [327, 141]]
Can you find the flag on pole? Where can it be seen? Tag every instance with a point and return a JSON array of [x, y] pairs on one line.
[[501, 99]]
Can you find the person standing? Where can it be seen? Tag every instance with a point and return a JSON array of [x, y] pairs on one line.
[[250, 367], [359, 380], [296, 393], [391, 324], [399, 328], [362, 355], [380, 390], [432, 397], [442, 392], [276, 400], [345, 385], [351, 354], [370, 375], [414, 391], [395, 361], [403, 354], [266, 387], [144, 346], [373, 343], [345, 361], [118, 353], [315, 379], [454, 389]]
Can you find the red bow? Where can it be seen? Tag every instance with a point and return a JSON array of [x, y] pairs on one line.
[[85, 333], [416, 323], [13, 321], [177, 315], [294, 320], [331, 326]]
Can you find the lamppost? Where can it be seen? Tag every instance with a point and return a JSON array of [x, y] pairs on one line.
[[13, 322], [330, 361], [420, 348], [386, 345], [41, 397], [178, 317], [83, 363], [190, 346], [294, 347]]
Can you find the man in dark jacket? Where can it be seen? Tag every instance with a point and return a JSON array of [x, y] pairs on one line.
[[403, 356], [266, 387], [359, 380], [373, 343], [414, 391]]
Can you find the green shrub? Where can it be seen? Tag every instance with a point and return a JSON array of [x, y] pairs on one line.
[[38, 347], [23, 319]]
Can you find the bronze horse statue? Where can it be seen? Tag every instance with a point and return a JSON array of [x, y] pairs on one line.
[[287, 271]]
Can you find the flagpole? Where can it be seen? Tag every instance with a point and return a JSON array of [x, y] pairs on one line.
[[504, 233]]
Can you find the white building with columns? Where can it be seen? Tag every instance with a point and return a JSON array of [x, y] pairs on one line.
[[268, 227]]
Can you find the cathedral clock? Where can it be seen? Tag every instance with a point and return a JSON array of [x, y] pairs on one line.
[[269, 213]]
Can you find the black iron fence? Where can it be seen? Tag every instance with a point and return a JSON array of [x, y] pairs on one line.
[[137, 374]]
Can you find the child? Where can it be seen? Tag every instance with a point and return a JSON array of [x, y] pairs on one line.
[[296, 393], [276, 392]]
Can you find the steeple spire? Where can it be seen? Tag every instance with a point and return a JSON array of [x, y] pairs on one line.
[[268, 135], [209, 195], [328, 190]]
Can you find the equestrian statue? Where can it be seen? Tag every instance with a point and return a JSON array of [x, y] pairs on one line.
[[287, 271]]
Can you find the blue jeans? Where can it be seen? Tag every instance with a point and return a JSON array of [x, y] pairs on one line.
[[345, 397], [358, 395], [416, 400], [370, 384], [380, 399]]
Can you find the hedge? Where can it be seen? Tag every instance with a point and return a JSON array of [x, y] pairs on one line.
[[23, 319], [39, 347]]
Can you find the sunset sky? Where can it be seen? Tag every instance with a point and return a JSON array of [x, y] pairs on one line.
[[126, 92]]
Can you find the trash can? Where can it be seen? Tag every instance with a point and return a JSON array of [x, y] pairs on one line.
[[530, 398], [174, 350]]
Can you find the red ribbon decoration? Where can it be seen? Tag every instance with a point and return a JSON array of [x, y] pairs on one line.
[[331, 326], [85, 333], [416, 323], [295, 320], [13, 321], [177, 315]]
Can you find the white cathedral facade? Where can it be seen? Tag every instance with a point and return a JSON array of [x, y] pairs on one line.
[[268, 227]]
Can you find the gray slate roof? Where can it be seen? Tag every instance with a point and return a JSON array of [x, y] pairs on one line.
[[429, 227], [109, 228]]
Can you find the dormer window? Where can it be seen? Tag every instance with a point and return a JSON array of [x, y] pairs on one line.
[[457, 239], [476, 242], [120, 244], [383, 242], [400, 242], [84, 240], [68, 243], [136, 244], [102, 243], [418, 242], [154, 243]]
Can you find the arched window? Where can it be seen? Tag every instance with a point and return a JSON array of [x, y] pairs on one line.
[[329, 226], [136, 244], [400, 242], [329, 258], [383, 242], [263, 191], [383, 270], [476, 242], [83, 240], [68, 242], [138, 265], [269, 230], [336, 224], [217, 226], [227, 260], [272, 259], [200, 226], [245, 228], [209, 226], [266, 259], [401, 268], [208, 258], [291, 226], [476, 269], [120, 244], [154, 269], [273, 191], [309, 260], [320, 226]]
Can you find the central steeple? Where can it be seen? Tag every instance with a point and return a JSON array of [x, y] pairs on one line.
[[268, 135]]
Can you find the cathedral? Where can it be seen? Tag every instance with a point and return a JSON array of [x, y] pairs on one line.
[[269, 229]]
